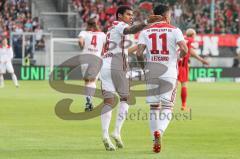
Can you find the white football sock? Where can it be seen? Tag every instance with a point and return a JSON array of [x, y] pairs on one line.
[[1, 80], [154, 120], [14, 78], [165, 118], [106, 116], [90, 90], [121, 116]]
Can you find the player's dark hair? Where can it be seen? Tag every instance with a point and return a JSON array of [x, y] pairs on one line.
[[122, 9], [161, 9]]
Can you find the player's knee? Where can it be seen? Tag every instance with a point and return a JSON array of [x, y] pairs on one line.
[[167, 106], [124, 99], [86, 80], [92, 80], [184, 84], [109, 101], [89, 80], [155, 106]]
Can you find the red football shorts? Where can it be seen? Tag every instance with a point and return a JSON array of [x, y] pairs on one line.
[[183, 74]]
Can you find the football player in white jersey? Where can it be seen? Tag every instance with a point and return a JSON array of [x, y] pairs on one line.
[[161, 41], [91, 41], [113, 73], [6, 55]]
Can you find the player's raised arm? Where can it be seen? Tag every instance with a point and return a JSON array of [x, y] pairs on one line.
[[199, 58], [138, 27], [134, 29]]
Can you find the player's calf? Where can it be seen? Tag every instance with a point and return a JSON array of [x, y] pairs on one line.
[[121, 117], [14, 79], [89, 92], [106, 115]]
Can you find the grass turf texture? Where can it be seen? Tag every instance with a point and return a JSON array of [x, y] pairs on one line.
[[29, 128]]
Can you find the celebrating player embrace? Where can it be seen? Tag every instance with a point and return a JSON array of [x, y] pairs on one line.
[[114, 70], [6, 55]]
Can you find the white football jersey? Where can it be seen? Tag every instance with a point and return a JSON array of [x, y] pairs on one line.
[[115, 52], [161, 46], [93, 42], [6, 54]]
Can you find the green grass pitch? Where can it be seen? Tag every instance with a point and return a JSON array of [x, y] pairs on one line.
[[29, 128]]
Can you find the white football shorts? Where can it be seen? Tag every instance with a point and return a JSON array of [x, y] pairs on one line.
[[114, 81], [161, 91], [6, 67]]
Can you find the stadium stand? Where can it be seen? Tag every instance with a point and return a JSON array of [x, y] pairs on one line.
[[193, 13], [27, 16], [15, 16], [227, 13]]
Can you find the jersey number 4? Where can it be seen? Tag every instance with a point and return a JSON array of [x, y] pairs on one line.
[[154, 50], [94, 40]]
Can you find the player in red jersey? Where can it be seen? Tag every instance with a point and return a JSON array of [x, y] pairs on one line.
[[183, 66]]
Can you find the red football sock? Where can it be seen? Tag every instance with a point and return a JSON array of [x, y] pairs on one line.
[[184, 96]]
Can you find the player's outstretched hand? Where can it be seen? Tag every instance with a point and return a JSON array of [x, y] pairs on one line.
[[154, 18]]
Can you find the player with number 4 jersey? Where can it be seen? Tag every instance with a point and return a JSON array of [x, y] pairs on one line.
[[91, 41]]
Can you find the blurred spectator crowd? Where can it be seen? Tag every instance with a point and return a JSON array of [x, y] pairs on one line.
[[197, 14], [15, 16], [104, 10], [192, 13]]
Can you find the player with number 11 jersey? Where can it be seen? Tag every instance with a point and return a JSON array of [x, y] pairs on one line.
[[161, 41]]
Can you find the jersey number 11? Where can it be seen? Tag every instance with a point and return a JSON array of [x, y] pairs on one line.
[[154, 50]]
